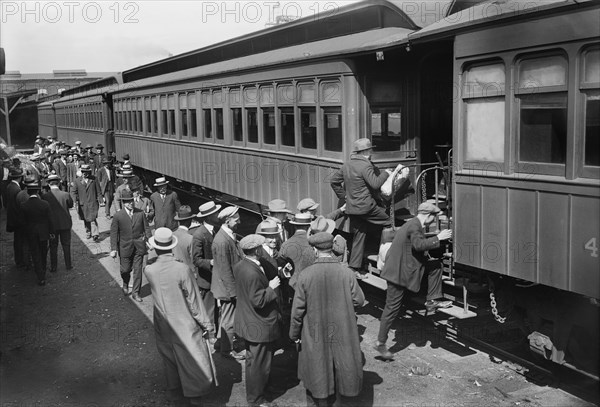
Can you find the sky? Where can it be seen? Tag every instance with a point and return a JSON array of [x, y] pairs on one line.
[[113, 36]]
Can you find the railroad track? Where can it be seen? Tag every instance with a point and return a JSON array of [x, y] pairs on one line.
[[505, 349]]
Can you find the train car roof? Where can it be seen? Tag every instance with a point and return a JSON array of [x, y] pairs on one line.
[[490, 11], [334, 47], [99, 87], [345, 21]]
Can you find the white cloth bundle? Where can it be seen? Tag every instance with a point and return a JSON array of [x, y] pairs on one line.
[[400, 173]]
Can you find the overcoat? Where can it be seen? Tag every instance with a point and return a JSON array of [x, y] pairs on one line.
[[127, 234], [226, 253], [358, 182], [256, 312], [183, 250], [202, 255], [36, 213], [406, 259], [107, 186], [298, 252], [165, 211], [60, 168], [60, 202], [87, 196], [323, 318], [180, 321], [14, 219]]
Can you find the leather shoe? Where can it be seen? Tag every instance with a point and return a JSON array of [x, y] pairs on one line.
[[125, 290], [136, 297], [432, 305], [384, 352]]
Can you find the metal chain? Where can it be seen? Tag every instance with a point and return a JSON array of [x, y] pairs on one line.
[[494, 309], [423, 188]]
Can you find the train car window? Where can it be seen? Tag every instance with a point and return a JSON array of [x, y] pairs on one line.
[[483, 91], [191, 105], [207, 123], [288, 135], [266, 96], [590, 88], [542, 123], [164, 128], [331, 93], [250, 96], [252, 124], [386, 129], [219, 133], [172, 120], [268, 125], [285, 95], [133, 113], [308, 127], [306, 93], [236, 121], [235, 99], [148, 122], [333, 129], [154, 123], [183, 115]]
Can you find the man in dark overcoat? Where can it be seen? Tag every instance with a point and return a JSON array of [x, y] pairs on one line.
[[296, 249], [106, 179], [60, 202], [202, 251], [60, 168], [357, 183], [256, 318], [38, 227], [129, 233], [166, 204], [99, 157], [226, 253], [181, 324], [15, 222], [87, 198], [324, 325], [406, 262]]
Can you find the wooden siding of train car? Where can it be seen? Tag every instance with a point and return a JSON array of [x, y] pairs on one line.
[[86, 135], [46, 121], [539, 228], [257, 175]]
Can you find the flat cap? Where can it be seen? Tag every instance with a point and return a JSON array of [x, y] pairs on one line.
[[361, 144], [307, 204], [251, 242], [322, 241], [228, 212], [427, 208]]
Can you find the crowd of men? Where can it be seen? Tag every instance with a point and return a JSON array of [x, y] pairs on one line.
[[282, 287]]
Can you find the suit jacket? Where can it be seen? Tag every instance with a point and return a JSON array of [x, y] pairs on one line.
[[13, 215], [36, 213], [256, 311], [164, 211], [406, 259], [60, 202], [127, 234], [202, 255], [183, 250], [61, 169], [298, 252], [145, 205], [98, 158], [358, 182], [107, 186], [226, 253]]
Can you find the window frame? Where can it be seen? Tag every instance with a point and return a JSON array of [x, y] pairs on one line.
[[584, 89]]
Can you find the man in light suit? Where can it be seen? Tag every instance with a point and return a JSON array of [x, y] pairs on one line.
[[106, 179], [183, 250], [226, 253], [166, 204], [202, 252], [60, 202], [405, 264], [256, 318], [129, 234]]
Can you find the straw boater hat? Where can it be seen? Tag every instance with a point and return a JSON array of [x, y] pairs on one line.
[[228, 212], [361, 144], [89, 146], [278, 205], [307, 204], [31, 183], [53, 178], [160, 182], [184, 213], [163, 239], [302, 218], [207, 209], [85, 168], [268, 227], [78, 143], [125, 174]]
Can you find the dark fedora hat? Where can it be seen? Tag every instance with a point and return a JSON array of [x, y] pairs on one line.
[[15, 173], [99, 146], [184, 212], [126, 195]]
